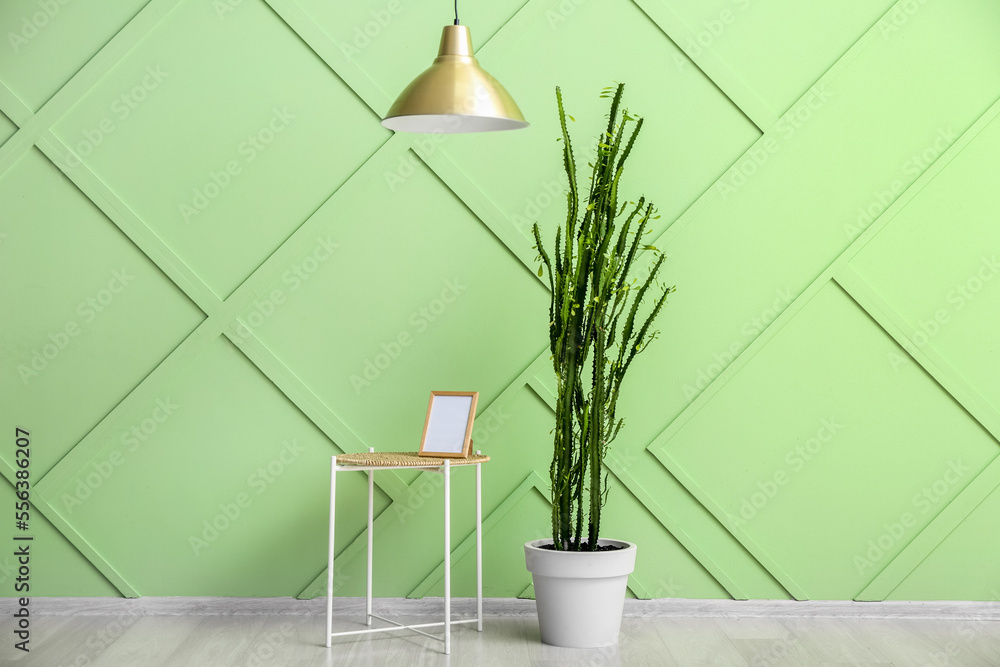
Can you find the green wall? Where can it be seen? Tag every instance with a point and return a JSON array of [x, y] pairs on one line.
[[218, 270]]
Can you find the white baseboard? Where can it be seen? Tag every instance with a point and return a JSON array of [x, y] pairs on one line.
[[219, 606]]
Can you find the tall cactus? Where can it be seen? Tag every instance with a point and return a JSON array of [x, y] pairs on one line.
[[593, 331]]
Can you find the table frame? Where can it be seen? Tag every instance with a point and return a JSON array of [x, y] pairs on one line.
[[443, 469]]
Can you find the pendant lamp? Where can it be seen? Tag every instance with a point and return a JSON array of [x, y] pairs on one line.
[[454, 94]]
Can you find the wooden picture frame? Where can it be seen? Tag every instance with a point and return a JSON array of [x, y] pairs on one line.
[[448, 426]]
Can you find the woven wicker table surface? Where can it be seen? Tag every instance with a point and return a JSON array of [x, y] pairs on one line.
[[403, 459]]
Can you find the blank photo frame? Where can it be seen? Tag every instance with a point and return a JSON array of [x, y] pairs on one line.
[[448, 427]]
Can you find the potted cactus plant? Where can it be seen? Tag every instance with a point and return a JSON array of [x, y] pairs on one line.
[[601, 318]]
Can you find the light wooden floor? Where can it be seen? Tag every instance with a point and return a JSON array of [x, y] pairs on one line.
[[686, 634]]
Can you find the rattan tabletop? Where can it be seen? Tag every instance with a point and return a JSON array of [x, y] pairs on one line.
[[404, 460]]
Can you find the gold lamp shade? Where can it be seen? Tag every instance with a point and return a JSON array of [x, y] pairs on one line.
[[454, 94]]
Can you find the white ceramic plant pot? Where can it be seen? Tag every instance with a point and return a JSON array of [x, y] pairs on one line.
[[579, 595]]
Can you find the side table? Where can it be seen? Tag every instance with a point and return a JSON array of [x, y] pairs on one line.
[[370, 462]]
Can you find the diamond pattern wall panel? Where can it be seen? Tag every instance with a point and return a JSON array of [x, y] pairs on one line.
[[111, 316], [776, 50], [227, 131], [220, 270], [47, 42], [946, 294], [973, 544], [806, 468], [7, 129]]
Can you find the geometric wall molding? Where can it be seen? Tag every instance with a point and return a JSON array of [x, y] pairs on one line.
[[221, 270]]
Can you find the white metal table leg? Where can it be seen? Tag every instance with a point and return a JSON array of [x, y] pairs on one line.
[[329, 558], [371, 523], [479, 545], [447, 557]]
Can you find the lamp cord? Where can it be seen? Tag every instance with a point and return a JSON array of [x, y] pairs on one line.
[[456, 12]]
